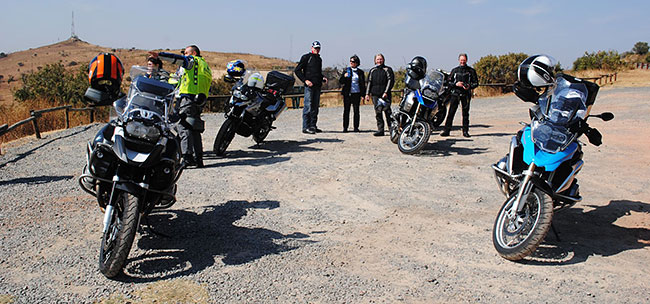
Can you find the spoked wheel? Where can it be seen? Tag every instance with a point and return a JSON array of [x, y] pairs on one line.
[[411, 141], [118, 238], [224, 137], [439, 117], [517, 237], [394, 131]]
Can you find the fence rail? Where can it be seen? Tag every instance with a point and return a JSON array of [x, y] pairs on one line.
[[36, 114]]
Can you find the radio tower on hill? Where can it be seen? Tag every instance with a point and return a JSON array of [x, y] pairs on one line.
[[73, 36]]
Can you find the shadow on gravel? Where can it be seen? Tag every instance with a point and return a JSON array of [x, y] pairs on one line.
[[266, 153], [583, 234], [446, 147], [198, 239], [25, 154], [36, 180]]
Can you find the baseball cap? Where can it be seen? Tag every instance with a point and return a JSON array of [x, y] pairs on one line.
[[315, 44]]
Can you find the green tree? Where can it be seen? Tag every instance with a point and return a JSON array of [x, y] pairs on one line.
[[54, 83], [499, 69], [640, 48], [605, 60]]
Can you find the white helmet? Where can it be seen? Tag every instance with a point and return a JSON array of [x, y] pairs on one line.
[[256, 80], [537, 71]]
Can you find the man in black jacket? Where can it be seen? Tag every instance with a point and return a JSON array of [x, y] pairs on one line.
[[463, 80], [380, 82], [310, 71], [354, 85]]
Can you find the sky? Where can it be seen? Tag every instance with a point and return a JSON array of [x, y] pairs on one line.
[[437, 30]]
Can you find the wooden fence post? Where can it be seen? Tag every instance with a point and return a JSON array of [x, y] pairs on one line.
[[67, 117], [615, 74], [37, 132], [92, 114]]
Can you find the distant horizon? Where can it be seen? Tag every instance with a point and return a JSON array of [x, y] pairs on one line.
[[437, 30]]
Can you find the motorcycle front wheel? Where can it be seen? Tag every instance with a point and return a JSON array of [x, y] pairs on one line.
[[224, 137], [515, 238], [118, 238], [411, 141]]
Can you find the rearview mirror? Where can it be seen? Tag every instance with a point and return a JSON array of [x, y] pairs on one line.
[[606, 116]]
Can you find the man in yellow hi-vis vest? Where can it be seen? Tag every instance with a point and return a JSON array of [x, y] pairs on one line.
[[194, 87]]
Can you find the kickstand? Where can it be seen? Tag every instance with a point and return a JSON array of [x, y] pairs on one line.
[[557, 236], [150, 230]]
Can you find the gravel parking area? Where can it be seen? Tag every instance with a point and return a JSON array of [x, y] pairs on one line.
[[338, 218]]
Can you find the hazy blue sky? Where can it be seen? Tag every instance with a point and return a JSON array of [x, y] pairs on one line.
[[437, 30]]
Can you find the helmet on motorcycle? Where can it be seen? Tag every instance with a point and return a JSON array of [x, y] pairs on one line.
[[105, 73], [256, 80], [417, 68], [537, 71], [235, 68]]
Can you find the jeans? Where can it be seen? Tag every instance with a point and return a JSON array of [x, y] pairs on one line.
[[453, 106], [353, 99], [310, 110]]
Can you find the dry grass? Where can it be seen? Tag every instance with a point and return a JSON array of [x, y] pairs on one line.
[[7, 299], [172, 291], [48, 122]]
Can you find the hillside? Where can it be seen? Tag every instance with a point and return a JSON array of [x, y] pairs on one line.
[[74, 52]]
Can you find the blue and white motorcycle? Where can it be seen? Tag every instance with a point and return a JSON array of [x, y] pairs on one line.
[[538, 175], [421, 109]]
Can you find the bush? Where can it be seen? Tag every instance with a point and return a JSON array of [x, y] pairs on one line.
[[601, 60], [54, 83], [499, 69], [640, 48]]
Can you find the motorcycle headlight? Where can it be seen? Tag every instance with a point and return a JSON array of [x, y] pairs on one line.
[[139, 130]]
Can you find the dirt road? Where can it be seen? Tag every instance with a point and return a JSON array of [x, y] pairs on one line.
[[338, 218]]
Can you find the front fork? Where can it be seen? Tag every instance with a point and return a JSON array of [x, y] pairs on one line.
[[110, 207], [522, 194], [415, 117]]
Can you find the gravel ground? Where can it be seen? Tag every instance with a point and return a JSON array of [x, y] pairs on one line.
[[338, 218]]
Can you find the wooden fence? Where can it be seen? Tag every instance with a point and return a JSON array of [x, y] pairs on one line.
[[603, 78], [36, 114], [642, 65]]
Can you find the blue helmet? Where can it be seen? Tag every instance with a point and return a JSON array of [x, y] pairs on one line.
[[235, 68]]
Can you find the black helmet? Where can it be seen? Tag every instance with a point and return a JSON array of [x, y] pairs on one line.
[[417, 68]]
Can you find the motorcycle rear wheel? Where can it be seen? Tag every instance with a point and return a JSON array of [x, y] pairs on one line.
[[118, 238], [260, 135], [515, 239], [412, 141], [394, 131], [224, 137], [439, 117]]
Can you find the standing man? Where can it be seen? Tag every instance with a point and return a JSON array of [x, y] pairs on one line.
[[194, 87], [463, 80], [380, 81], [310, 71], [354, 84]]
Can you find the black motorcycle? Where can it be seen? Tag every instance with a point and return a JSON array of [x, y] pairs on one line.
[[132, 164], [422, 108], [253, 107]]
